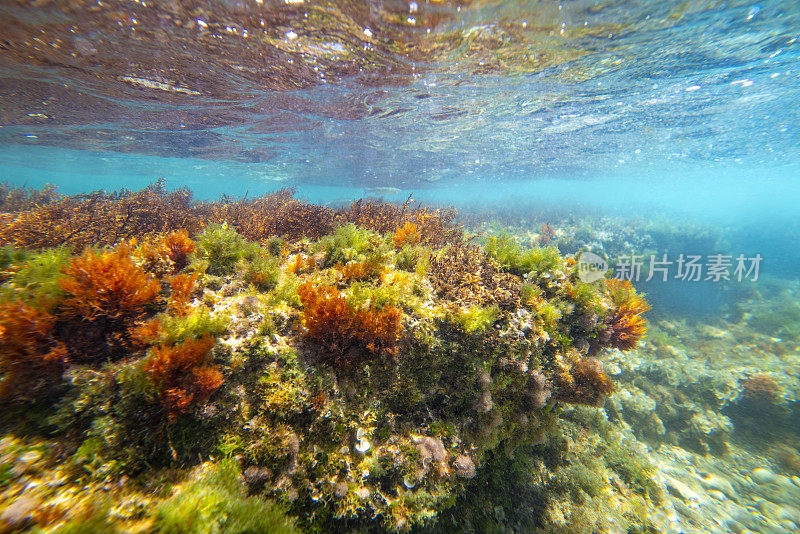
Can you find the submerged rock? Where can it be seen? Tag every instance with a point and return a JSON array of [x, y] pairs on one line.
[[465, 467]]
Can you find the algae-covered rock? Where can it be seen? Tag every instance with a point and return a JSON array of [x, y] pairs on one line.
[[353, 383]]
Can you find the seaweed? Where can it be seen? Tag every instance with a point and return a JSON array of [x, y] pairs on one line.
[[169, 253], [626, 324], [465, 276], [198, 324], [221, 247], [408, 234], [216, 502], [436, 227], [506, 251], [352, 243], [347, 335], [182, 287], [263, 271], [30, 355], [760, 388], [182, 373], [379, 378], [106, 293], [33, 276], [101, 218], [42, 219], [584, 383], [276, 214], [17, 199], [476, 320]]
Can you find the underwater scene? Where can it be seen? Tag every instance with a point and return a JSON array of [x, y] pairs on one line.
[[381, 266]]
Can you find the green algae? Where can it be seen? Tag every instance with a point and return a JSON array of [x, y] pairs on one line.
[[383, 443], [220, 247], [98, 523], [33, 276], [519, 260], [263, 271], [352, 243], [216, 502], [476, 319], [199, 323]]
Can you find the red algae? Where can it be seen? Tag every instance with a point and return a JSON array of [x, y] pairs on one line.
[[627, 325], [347, 334], [182, 374]]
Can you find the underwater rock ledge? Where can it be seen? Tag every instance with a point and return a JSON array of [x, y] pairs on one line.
[[271, 365]]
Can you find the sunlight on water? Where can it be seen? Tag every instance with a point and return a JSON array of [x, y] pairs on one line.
[[393, 266]]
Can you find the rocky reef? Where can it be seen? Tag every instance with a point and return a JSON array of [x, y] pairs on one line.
[[254, 373]]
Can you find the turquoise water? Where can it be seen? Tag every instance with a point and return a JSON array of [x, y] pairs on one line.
[[630, 127]]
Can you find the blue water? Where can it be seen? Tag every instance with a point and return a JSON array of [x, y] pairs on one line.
[[657, 92], [683, 112]]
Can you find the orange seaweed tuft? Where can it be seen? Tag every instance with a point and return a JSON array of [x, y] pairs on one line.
[[627, 324], [358, 270], [408, 234], [29, 353], [182, 374], [347, 335], [167, 253], [585, 383], [182, 287], [178, 247], [300, 263], [147, 333], [107, 284], [106, 295]]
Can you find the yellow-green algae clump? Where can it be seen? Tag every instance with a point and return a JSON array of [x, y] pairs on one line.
[[360, 380]]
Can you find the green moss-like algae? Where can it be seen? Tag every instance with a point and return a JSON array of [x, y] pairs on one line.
[[388, 442]]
